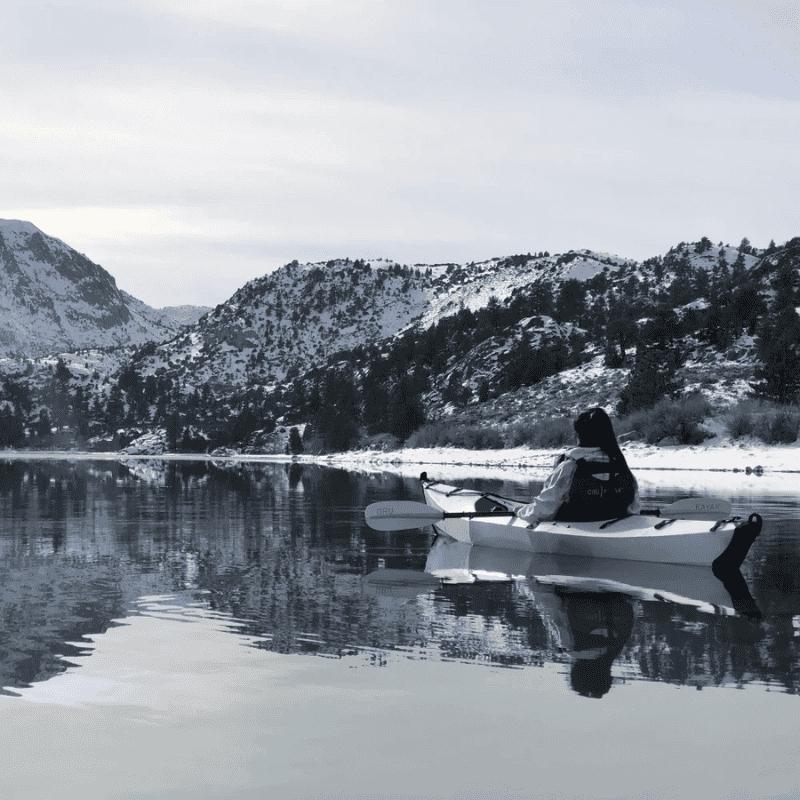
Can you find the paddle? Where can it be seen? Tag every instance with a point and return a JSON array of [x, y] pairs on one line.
[[400, 515]]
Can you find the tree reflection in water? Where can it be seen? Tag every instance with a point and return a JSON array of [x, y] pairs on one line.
[[283, 549]]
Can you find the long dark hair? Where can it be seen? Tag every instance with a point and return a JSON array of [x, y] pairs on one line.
[[594, 429]]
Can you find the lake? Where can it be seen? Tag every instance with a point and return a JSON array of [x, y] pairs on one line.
[[179, 629]]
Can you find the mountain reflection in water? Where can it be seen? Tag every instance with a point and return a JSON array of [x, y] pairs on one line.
[[282, 551]]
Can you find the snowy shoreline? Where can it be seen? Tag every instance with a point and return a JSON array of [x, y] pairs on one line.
[[723, 456]]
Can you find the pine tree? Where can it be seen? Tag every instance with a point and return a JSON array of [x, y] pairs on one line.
[[295, 444], [336, 422], [520, 367], [12, 428], [613, 356], [44, 425], [652, 378], [404, 412], [702, 284], [778, 377], [59, 398], [245, 423], [172, 430], [376, 398], [571, 302]]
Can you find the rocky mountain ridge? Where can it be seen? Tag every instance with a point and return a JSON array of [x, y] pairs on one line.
[[54, 299], [347, 350], [299, 316]]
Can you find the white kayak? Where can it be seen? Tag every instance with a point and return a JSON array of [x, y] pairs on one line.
[[637, 537]]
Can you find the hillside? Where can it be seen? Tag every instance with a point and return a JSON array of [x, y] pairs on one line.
[[54, 299], [297, 317], [353, 351]]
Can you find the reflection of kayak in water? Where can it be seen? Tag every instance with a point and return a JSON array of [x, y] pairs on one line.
[[686, 585], [637, 537], [584, 607]]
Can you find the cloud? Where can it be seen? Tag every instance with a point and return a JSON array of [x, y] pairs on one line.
[[189, 146]]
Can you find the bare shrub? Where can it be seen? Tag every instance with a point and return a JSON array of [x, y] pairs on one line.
[[548, 432], [778, 426], [679, 420], [740, 421], [452, 434], [772, 423]]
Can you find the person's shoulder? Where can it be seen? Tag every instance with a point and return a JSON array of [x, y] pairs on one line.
[[564, 455], [585, 454]]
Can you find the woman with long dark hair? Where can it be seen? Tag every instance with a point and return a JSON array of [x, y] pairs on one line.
[[591, 481]]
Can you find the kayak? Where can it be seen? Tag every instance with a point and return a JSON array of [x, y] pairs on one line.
[[637, 537]]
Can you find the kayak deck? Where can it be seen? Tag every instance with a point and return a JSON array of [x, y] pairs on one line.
[[632, 538]]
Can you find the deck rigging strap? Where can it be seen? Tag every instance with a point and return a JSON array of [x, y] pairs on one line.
[[663, 524], [613, 521]]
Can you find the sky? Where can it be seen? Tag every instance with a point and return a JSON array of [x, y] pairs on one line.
[[188, 146]]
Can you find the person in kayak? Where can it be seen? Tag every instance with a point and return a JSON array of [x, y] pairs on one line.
[[590, 482]]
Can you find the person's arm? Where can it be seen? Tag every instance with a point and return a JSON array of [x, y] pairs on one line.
[[546, 504]]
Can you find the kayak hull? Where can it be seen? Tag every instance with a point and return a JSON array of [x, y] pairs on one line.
[[633, 538]]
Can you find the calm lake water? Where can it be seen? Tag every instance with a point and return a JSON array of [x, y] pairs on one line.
[[172, 630]]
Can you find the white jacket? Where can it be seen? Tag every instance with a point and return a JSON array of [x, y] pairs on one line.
[[556, 488]]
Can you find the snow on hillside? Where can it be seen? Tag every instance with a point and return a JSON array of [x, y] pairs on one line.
[[52, 298], [293, 319], [563, 394], [471, 286], [86, 366], [300, 315], [711, 257]]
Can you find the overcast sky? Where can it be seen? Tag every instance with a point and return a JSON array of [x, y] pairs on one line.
[[189, 145]]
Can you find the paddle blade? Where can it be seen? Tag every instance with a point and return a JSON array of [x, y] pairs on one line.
[[400, 515], [710, 508]]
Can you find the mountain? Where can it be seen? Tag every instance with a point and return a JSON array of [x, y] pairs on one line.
[[184, 315], [54, 299], [354, 352], [299, 316]]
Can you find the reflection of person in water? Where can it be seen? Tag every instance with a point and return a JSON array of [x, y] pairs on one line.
[[600, 625]]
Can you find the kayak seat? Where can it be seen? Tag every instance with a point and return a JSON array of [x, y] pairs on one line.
[[485, 503]]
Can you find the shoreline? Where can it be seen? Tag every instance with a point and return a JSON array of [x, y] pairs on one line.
[[750, 457]]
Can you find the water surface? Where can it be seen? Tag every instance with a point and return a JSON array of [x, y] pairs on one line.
[[179, 629]]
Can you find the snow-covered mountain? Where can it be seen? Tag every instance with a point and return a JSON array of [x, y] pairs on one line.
[[300, 315], [383, 345], [184, 315], [54, 299]]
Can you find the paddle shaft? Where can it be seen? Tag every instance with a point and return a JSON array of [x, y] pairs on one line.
[[471, 514]]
